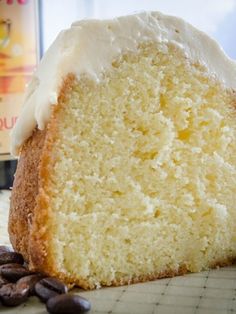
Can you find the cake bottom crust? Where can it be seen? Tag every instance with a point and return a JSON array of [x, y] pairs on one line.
[[182, 270]]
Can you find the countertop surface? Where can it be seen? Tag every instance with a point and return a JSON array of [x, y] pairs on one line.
[[207, 292]]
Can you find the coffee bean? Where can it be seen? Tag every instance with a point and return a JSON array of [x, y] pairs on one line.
[[11, 257], [68, 303], [14, 294], [54, 284], [44, 293], [4, 249], [49, 287], [3, 281], [31, 281], [14, 273], [9, 265]]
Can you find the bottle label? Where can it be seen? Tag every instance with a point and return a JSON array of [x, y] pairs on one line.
[[18, 59]]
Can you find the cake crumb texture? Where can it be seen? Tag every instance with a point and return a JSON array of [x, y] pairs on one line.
[[137, 177]]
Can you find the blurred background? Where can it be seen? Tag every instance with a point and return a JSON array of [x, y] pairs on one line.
[[215, 17]]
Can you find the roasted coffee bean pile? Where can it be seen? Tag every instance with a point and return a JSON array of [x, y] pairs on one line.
[[17, 283]]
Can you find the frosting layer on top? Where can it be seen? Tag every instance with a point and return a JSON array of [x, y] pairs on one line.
[[90, 46]]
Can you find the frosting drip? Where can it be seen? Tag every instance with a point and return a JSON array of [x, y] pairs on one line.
[[90, 46]]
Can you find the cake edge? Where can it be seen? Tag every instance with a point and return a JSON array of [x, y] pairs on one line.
[[29, 208], [24, 193]]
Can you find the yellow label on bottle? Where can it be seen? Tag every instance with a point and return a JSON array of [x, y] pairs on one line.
[[18, 59]]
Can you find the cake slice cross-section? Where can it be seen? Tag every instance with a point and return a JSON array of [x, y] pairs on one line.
[[127, 154]]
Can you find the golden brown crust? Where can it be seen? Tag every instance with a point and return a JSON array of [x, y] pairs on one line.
[[29, 201], [182, 270], [25, 191], [40, 256]]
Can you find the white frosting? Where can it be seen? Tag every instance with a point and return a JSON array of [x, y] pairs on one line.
[[90, 46]]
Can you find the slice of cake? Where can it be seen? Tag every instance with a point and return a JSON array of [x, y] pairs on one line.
[[127, 143]]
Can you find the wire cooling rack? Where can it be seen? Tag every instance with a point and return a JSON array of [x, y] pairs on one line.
[[210, 292]]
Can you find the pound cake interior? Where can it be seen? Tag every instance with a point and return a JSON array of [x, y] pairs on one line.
[[134, 177]]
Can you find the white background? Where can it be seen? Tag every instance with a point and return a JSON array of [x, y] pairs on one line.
[[215, 17]]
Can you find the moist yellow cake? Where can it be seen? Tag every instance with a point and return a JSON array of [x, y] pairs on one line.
[[127, 144]]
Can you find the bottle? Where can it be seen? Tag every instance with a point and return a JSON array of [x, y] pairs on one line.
[[19, 55]]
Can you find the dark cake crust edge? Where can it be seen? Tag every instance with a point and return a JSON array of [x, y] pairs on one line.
[[29, 209], [24, 192]]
